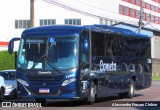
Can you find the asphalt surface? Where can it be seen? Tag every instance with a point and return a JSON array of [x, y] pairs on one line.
[[146, 99]]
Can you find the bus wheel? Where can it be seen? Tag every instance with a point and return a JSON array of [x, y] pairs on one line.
[[92, 94], [41, 100], [130, 94]]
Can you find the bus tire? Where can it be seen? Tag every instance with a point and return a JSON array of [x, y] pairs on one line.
[[41, 100], [130, 93], [1, 95], [92, 94]]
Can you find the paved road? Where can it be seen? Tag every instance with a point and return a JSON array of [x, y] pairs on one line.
[[149, 96]]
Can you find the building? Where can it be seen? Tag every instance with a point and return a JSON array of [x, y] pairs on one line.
[[77, 12]]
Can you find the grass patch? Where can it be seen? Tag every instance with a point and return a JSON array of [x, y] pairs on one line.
[[7, 61], [155, 78]]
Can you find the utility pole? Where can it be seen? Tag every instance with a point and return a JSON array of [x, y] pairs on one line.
[[140, 23], [31, 13]]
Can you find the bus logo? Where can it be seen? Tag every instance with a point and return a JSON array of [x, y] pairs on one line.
[[44, 72], [107, 66]]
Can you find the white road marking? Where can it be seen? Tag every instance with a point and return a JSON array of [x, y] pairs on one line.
[[156, 82], [31, 108], [156, 99]]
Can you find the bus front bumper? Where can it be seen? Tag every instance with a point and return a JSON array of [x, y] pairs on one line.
[[52, 93]]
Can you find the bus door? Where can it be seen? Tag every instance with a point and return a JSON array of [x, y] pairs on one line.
[[84, 63]]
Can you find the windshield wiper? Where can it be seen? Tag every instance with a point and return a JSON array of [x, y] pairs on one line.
[[53, 67], [49, 63]]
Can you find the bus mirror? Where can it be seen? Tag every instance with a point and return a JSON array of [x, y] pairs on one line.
[[11, 45], [85, 45]]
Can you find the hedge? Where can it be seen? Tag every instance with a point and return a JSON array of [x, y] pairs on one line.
[[7, 61]]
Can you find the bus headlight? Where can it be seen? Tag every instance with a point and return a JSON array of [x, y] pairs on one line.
[[22, 82], [68, 81]]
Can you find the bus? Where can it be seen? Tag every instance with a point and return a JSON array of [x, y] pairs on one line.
[[81, 62]]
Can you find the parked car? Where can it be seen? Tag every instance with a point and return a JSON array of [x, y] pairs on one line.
[[10, 83], [2, 88]]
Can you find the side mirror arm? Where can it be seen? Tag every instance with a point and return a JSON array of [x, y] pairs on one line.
[[11, 44]]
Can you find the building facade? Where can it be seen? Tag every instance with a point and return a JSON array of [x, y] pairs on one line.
[[15, 14]]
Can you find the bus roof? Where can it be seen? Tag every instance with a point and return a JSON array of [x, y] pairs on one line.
[[54, 29], [116, 30]]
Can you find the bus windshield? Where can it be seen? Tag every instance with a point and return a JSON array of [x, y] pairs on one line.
[[53, 53]]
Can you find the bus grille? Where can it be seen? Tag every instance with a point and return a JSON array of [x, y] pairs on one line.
[[44, 78]]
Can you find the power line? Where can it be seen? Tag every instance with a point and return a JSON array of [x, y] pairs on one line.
[[62, 5], [141, 24], [100, 3], [154, 27], [108, 2], [148, 23], [103, 9], [75, 10]]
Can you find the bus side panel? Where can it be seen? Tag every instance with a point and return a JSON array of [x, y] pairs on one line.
[[112, 81], [105, 72], [136, 69]]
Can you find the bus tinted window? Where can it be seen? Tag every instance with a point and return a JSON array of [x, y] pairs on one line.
[[118, 45]]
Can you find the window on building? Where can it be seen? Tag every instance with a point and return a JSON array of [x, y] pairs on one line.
[[132, 1], [148, 6], [137, 14], [73, 21], [137, 2], [44, 22], [132, 13], [120, 9], [152, 7], [22, 24], [152, 18], [143, 4], [156, 9], [107, 22], [156, 19], [101, 21], [104, 21], [126, 10], [144, 15], [156, 0], [147, 17]]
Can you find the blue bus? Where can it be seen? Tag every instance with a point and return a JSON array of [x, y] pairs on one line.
[[81, 62]]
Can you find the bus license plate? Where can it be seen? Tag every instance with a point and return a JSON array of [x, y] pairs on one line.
[[43, 90]]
